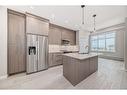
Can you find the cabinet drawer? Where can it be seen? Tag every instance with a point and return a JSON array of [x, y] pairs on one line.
[[55, 59]]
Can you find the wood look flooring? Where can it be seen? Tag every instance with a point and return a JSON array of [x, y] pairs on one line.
[[110, 75]]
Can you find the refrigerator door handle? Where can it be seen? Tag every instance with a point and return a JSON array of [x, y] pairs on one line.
[[38, 52], [46, 52]]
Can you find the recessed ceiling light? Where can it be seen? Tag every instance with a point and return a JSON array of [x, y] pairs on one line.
[[31, 7]]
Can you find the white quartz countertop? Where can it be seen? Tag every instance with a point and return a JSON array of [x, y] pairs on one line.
[[81, 56], [55, 51], [61, 51]]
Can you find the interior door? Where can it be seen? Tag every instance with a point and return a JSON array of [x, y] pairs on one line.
[[31, 53], [42, 53]]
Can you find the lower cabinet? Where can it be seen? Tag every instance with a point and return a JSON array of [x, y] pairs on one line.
[[50, 59], [76, 70], [93, 64], [55, 59]]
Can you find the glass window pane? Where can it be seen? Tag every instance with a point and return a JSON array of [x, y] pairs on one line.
[[110, 44], [101, 45], [110, 35], [94, 45], [101, 36], [94, 37], [99, 41]]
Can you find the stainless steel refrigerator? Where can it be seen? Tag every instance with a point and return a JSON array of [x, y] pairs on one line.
[[37, 53]]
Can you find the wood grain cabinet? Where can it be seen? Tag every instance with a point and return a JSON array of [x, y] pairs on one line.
[[54, 35], [36, 25], [93, 64], [50, 59], [58, 33], [75, 70], [70, 69], [69, 35], [16, 42], [55, 59], [83, 69]]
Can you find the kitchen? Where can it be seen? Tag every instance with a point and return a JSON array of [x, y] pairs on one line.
[[36, 45]]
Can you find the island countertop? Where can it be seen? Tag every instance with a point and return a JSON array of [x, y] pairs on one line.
[[81, 56]]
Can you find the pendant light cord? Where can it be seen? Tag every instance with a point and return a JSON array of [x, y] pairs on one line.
[[82, 6], [94, 22]]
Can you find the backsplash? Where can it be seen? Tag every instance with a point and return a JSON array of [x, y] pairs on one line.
[[69, 48], [55, 48]]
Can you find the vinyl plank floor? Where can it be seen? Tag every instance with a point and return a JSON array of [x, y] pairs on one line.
[[110, 75]]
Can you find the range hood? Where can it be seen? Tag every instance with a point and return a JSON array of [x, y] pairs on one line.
[[65, 42]]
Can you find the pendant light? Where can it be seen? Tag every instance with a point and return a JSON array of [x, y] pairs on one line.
[[94, 16], [94, 30], [82, 6], [82, 22]]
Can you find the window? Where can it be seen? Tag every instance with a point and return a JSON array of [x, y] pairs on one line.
[[94, 43], [103, 42]]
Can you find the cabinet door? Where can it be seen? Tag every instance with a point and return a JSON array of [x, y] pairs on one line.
[[50, 59], [57, 58], [54, 35], [93, 64], [36, 26], [16, 43], [69, 69], [72, 37], [83, 69], [69, 35]]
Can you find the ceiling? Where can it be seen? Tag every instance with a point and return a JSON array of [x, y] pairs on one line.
[[70, 16]]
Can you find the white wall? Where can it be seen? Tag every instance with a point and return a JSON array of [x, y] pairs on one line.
[[3, 42]]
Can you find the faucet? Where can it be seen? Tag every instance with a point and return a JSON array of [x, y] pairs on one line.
[[87, 47]]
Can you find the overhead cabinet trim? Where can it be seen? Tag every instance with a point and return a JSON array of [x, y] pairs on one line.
[[10, 11], [36, 25], [37, 17], [37, 34]]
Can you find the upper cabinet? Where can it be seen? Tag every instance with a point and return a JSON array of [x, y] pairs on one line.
[[69, 35], [36, 25], [54, 35], [58, 33]]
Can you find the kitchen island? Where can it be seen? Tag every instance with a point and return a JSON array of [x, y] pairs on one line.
[[77, 67]]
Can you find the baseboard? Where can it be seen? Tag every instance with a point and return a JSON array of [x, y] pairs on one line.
[[3, 77], [112, 58]]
